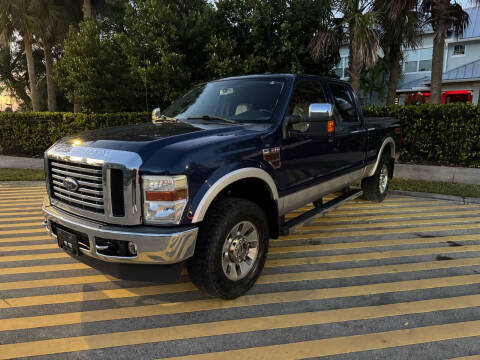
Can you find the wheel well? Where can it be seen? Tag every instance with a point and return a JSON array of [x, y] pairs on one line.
[[257, 191]]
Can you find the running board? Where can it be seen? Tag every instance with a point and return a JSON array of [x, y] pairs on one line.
[[289, 226]]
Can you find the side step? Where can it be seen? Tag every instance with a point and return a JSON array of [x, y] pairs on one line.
[[290, 225]]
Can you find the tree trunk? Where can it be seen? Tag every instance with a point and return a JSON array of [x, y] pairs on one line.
[[52, 98], [355, 67], [76, 107], [394, 70], [31, 73], [437, 69], [87, 9]]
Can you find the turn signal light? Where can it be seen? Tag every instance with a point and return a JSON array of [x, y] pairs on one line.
[[331, 126], [166, 195]]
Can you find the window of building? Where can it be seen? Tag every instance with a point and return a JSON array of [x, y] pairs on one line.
[[417, 60], [342, 68], [459, 50]]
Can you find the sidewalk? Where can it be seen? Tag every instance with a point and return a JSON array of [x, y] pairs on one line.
[[17, 162]]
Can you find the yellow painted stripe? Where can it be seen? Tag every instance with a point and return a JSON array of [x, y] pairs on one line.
[[370, 256], [57, 255], [365, 204], [39, 230], [338, 212], [390, 224], [23, 200], [332, 219], [6, 208], [6, 214], [4, 220], [367, 244], [473, 357], [25, 224], [43, 268], [347, 344], [25, 238], [198, 305], [79, 343], [416, 230], [4, 249]]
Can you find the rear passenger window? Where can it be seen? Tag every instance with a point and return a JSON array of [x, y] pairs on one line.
[[344, 102], [307, 92]]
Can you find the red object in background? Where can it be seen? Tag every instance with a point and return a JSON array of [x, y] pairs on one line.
[[456, 96]]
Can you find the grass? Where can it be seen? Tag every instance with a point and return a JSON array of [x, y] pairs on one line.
[[464, 190], [21, 175]]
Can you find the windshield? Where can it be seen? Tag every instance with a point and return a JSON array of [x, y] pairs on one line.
[[242, 100]]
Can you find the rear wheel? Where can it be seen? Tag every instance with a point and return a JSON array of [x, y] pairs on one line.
[[375, 187], [231, 248]]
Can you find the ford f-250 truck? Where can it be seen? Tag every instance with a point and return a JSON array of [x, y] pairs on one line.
[[210, 180]]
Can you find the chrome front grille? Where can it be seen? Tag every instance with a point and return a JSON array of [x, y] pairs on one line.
[[88, 192]]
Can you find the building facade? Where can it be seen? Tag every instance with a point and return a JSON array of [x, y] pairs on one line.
[[461, 67]]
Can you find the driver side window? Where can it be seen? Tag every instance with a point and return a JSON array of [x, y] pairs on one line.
[[306, 92]]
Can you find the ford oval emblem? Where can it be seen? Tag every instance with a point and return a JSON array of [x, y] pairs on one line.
[[70, 184]]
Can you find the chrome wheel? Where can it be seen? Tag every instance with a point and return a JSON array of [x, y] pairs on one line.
[[383, 181], [240, 250]]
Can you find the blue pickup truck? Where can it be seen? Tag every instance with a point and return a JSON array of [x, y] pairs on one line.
[[210, 180]]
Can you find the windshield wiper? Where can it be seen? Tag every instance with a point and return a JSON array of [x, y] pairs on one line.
[[211, 117]]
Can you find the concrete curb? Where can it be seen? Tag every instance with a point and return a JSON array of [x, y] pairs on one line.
[[449, 174], [460, 199]]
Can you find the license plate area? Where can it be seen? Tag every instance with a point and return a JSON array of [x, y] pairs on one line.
[[68, 241]]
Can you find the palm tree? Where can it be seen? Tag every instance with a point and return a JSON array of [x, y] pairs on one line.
[[17, 17], [444, 17], [400, 27], [360, 22]]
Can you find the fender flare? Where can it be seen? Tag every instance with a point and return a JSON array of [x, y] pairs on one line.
[[389, 140], [228, 179]]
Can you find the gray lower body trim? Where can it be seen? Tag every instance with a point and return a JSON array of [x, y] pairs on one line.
[[305, 196], [155, 245]]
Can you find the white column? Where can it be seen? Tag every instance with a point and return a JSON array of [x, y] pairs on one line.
[[476, 93]]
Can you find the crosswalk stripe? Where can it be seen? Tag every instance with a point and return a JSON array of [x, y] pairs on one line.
[[245, 325], [370, 256], [390, 224], [333, 220], [366, 244], [43, 268], [348, 344], [415, 230], [16, 239]]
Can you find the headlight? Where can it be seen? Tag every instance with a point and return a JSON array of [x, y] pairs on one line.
[[164, 198]]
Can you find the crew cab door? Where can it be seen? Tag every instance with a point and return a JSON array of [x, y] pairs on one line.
[[350, 132], [306, 149]]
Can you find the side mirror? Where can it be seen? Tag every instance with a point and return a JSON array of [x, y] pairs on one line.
[[320, 112], [156, 114]]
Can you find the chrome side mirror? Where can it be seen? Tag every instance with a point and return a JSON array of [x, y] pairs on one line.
[[156, 114], [320, 112]]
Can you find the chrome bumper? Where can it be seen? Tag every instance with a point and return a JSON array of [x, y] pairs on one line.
[[155, 245]]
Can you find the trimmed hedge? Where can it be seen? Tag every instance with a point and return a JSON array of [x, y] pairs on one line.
[[437, 134], [31, 133]]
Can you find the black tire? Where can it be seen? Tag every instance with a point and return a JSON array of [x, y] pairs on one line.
[[372, 190], [205, 267]]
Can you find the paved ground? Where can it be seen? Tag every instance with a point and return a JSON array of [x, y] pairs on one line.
[[400, 280], [18, 162]]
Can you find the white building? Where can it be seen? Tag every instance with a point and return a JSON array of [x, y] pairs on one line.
[[461, 66]]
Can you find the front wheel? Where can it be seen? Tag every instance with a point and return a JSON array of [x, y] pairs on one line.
[[375, 187], [231, 248]]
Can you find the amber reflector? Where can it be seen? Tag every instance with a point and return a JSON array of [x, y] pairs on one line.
[[166, 195], [331, 126]]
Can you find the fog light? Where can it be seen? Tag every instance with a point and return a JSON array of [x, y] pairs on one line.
[[132, 248]]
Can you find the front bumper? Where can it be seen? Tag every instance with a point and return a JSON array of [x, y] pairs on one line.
[[155, 245]]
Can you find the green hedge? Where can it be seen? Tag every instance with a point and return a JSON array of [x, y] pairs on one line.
[[437, 134], [33, 132]]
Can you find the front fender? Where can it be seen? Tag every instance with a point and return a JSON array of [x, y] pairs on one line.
[[220, 179]]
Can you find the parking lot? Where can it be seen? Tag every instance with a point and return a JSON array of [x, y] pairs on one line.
[[397, 280]]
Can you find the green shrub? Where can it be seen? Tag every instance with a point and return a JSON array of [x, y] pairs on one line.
[[441, 134], [33, 132]]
